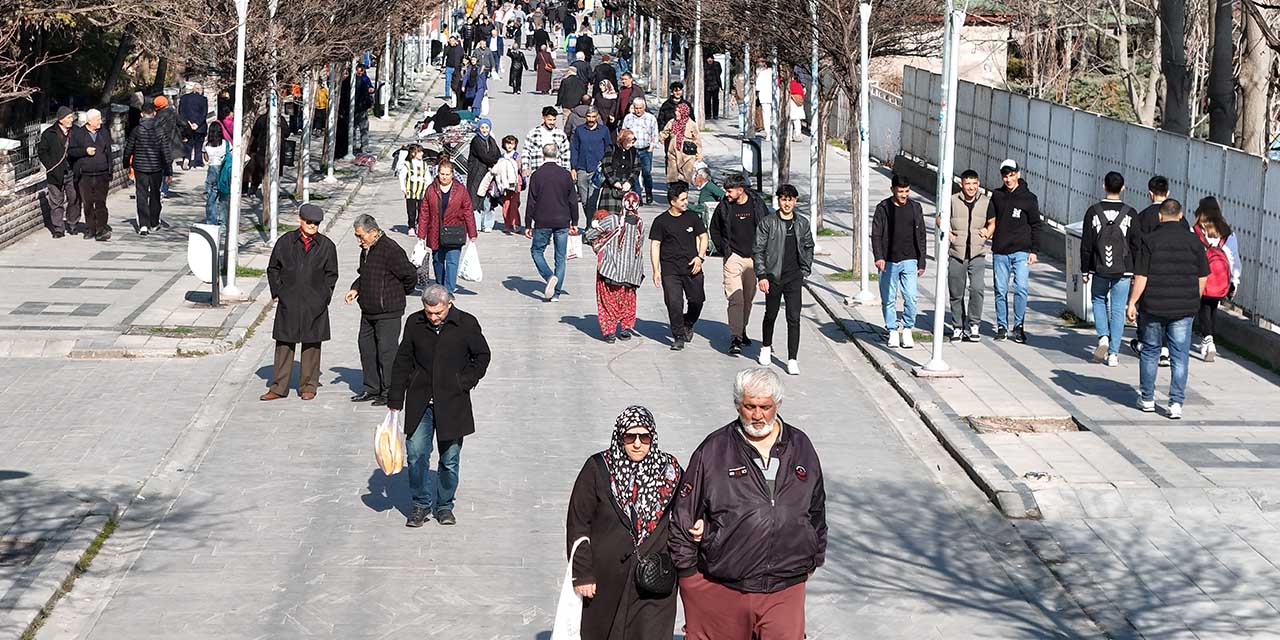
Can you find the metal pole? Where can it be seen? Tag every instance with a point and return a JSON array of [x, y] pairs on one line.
[[237, 161], [351, 109], [815, 141], [331, 127], [946, 160], [384, 76], [699, 70], [748, 123], [302, 158], [271, 185], [864, 174], [652, 77]]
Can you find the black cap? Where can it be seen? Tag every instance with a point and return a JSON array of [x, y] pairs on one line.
[[63, 112], [311, 213]]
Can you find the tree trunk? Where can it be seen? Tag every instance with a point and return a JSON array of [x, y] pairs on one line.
[[1255, 63], [782, 120], [117, 64], [1221, 85], [162, 69], [820, 190], [1173, 56], [853, 141]]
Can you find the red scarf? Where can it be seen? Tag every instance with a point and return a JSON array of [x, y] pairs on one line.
[[306, 241]]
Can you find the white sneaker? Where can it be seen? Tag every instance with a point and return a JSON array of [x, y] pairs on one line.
[[1100, 351], [413, 232], [975, 335], [1175, 411], [907, 340], [893, 339], [142, 231], [957, 335], [1147, 406], [766, 356], [793, 367], [549, 291], [1113, 360], [1208, 351]]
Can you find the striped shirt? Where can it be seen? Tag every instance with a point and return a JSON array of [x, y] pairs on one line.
[[539, 137], [414, 179], [645, 127]]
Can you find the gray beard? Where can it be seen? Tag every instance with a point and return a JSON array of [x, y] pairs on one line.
[[756, 432]]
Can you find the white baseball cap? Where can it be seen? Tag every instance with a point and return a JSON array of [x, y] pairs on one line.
[[1008, 166]]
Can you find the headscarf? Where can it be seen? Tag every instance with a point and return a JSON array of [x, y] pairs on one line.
[[484, 121], [642, 489], [678, 125], [607, 90]]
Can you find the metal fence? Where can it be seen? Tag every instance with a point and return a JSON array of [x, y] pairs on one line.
[[1065, 152], [885, 130]]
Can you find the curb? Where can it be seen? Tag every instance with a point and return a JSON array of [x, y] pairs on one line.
[[993, 478]]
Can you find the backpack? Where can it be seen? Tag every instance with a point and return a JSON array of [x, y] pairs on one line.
[[1219, 282], [1111, 257]]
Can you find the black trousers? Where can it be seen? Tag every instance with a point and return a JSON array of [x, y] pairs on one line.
[[1207, 315], [93, 199], [411, 206], [516, 80], [378, 340], [676, 291], [147, 189], [790, 292], [712, 102]]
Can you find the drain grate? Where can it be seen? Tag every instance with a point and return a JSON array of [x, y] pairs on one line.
[[18, 553], [1006, 424]]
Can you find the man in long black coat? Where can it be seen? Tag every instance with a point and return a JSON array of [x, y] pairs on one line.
[[441, 359], [302, 273]]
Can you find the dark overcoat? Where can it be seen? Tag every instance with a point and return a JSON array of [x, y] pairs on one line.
[[442, 367], [619, 611], [302, 285]]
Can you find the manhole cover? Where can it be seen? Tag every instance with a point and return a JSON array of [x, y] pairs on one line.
[[18, 553], [1006, 424]]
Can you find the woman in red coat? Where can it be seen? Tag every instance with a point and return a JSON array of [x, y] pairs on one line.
[[446, 215]]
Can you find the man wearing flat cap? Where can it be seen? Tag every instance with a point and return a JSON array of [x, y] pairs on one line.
[[64, 202], [302, 273]]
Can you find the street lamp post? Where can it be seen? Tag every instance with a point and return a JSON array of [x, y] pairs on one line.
[[946, 160], [815, 140], [331, 127], [230, 290], [271, 185], [699, 70], [864, 295]]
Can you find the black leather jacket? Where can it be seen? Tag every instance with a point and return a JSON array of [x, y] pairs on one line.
[[770, 244]]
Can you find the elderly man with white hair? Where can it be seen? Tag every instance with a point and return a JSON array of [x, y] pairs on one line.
[[193, 114], [645, 127], [754, 491], [89, 149]]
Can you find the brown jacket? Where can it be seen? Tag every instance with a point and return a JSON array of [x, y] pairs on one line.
[[964, 227]]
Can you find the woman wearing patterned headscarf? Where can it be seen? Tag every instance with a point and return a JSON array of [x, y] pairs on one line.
[[619, 242], [684, 145], [620, 502]]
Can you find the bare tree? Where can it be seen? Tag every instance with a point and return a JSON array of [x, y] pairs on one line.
[[1257, 57]]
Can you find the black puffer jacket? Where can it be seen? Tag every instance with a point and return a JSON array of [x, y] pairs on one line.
[[752, 542], [146, 149], [386, 277]]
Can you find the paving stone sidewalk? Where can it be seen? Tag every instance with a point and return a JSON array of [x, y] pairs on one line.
[[135, 296], [1160, 528], [280, 526]]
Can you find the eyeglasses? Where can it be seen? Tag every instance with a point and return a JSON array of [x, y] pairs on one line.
[[630, 438]]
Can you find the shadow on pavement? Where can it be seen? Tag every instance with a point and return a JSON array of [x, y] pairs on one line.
[[391, 492], [353, 378], [1119, 392], [524, 286]]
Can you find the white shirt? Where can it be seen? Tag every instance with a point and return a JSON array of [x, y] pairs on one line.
[[216, 154], [764, 84]]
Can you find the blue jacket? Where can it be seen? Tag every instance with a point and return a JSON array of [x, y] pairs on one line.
[[587, 147]]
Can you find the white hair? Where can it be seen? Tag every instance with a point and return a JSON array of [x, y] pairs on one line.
[[580, 55], [90, 114], [639, 100], [436, 294], [755, 382]]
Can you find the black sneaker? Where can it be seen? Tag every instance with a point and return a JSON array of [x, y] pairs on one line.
[[418, 517], [59, 234], [688, 335], [611, 338], [380, 401], [1019, 335], [1136, 345], [1002, 334], [624, 334], [746, 342], [1164, 360], [735, 346], [677, 344], [446, 517]]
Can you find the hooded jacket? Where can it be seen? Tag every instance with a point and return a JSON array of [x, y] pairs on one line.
[[145, 149], [1017, 216], [753, 541]]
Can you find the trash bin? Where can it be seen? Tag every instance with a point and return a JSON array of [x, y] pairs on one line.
[[1077, 291]]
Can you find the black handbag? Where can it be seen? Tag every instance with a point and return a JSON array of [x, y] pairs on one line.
[[689, 148], [655, 574], [451, 237]]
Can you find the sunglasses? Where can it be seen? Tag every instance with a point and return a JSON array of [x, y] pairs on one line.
[[630, 438]]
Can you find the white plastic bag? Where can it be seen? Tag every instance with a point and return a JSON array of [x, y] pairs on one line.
[[575, 247], [388, 443], [484, 106], [568, 624], [419, 253], [469, 265]]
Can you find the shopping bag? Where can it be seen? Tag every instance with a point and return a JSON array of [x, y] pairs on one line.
[[484, 106], [568, 625], [469, 265], [388, 443], [419, 256], [575, 247]]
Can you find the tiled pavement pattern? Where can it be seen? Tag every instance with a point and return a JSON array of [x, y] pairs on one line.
[[282, 528], [1161, 529]]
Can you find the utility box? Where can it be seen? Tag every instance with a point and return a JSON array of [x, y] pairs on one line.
[[1078, 297]]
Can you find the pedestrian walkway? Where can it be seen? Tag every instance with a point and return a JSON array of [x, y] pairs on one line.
[[1159, 528], [271, 520], [135, 296]]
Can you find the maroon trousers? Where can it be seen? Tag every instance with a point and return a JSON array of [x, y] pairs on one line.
[[715, 612]]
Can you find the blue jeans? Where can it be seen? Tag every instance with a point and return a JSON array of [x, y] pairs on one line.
[[1004, 264], [899, 277], [418, 456], [448, 83], [446, 264], [646, 169], [484, 213], [212, 208], [624, 66], [541, 238], [1109, 320], [1176, 335]]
